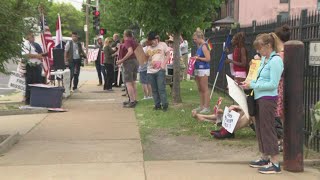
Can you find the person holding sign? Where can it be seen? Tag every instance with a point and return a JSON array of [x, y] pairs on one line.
[[130, 65], [266, 94], [32, 63], [159, 54], [108, 64], [239, 57], [202, 71]]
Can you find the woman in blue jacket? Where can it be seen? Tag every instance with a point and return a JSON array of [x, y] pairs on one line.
[[266, 94]]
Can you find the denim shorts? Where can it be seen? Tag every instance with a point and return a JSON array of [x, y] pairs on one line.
[[144, 77]]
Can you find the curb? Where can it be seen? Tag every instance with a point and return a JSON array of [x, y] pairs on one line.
[[21, 112], [306, 162], [7, 144]]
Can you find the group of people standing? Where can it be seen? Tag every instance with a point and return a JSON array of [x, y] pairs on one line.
[[268, 94]]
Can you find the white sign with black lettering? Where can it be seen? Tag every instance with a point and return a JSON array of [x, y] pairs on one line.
[[314, 57], [17, 81], [230, 119]]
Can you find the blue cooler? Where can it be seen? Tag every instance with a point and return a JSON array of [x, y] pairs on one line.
[[46, 97]]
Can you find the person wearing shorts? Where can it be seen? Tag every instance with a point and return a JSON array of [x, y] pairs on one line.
[[202, 72], [130, 65]]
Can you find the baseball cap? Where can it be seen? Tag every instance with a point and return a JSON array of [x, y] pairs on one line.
[[152, 36]]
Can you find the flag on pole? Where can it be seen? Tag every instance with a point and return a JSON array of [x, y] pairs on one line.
[[224, 53], [58, 33], [210, 45], [48, 45]]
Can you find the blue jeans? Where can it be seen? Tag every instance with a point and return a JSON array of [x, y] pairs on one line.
[[158, 84]]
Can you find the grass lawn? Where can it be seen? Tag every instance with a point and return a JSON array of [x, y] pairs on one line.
[[177, 120]]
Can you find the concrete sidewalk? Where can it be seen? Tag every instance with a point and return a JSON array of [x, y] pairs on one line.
[[98, 139]]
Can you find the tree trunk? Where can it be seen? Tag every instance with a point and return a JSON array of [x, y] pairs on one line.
[[176, 97]]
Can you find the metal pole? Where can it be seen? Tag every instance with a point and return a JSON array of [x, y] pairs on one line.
[[293, 105], [87, 23]]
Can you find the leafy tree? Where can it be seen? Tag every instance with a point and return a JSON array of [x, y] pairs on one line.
[[173, 17], [13, 26], [71, 19], [116, 16]]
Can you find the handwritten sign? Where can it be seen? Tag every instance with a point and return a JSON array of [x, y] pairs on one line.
[[253, 71], [17, 81], [230, 119], [238, 95], [314, 59]]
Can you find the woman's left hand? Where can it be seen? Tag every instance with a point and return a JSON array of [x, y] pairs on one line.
[[245, 85]]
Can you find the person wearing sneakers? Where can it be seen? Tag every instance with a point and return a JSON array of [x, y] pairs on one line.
[[266, 94], [159, 55], [202, 71], [130, 65], [147, 89]]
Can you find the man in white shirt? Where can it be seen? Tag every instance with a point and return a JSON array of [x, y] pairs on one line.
[[33, 63], [159, 54], [73, 56], [184, 57]]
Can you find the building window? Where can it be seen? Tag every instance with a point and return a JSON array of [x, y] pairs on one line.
[[231, 8], [284, 1], [284, 15]]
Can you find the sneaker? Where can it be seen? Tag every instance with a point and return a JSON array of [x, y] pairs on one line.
[[165, 108], [205, 111], [145, 98], [223, 134], [157, 108], [198, 109], [259, 163], [150, 97], [126, 102], [270, 169], [130, 105]]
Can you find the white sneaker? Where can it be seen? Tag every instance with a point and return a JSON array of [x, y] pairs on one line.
[[145, 98], [150, 97], [205, 111], [198, 109]]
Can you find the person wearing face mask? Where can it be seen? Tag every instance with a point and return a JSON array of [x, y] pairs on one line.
[[159, 55]]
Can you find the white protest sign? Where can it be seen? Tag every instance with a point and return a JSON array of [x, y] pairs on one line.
[[66, 82], [230, 119], [17, 81], [238, 95]]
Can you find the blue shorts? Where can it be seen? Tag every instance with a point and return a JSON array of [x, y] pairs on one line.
[[144, 77]]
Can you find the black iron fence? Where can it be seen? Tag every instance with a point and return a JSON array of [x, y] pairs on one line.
[[304, 27]]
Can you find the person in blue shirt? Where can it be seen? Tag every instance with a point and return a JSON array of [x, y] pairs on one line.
[[202, 72], [266, 94]]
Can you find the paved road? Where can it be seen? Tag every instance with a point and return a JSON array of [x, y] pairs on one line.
[[4, 79]]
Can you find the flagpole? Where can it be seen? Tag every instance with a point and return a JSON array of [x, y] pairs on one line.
[[60, 31], [223, 56]]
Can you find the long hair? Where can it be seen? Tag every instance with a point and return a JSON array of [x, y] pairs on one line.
[[239, 39], [268, 38], [107, 42]]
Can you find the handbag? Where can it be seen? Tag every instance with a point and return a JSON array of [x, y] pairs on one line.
[[251, 102]]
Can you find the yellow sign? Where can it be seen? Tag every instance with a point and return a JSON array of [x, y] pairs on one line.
[[253, 71]]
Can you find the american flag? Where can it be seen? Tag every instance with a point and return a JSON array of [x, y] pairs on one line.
[[48, 45]]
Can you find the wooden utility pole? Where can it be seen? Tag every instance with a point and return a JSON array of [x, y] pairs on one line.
[[87, 23], [293, 98]]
